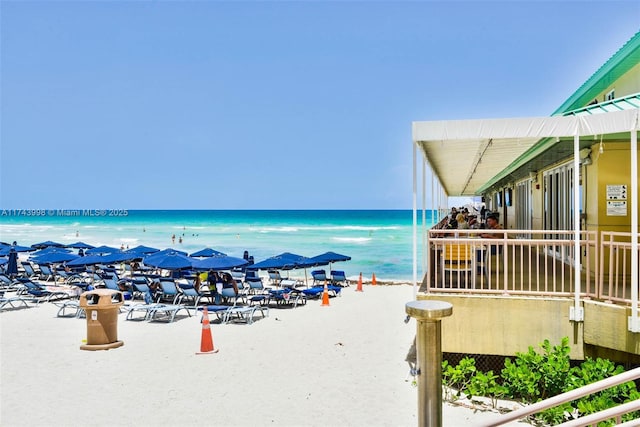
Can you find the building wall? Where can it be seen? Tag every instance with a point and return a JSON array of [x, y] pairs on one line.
[[507, 325], [498, 325], [626, 85]]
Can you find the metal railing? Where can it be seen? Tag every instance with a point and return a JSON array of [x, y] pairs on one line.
[[541, 265], [615, 412], [615, 267]]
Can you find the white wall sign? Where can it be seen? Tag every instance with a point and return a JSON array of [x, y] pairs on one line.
[[617, 192], [616, 208]]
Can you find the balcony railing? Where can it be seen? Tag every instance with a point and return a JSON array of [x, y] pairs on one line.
[[615, 267], [541, 265]]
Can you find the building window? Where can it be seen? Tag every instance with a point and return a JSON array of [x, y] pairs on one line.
[[610, 96], [523, 207]]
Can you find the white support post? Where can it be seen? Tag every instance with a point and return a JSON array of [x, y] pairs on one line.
[[634, 323], [424, 212], [576, 313], [433, 197], [415, 224]]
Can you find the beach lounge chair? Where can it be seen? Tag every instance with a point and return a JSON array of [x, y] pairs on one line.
[[71, 278], [110, 283], [7, 283], [229, 295], [28, 270], [140, 287], [255, 286], [46, 273], [319, 276], [237, 275], [145, 309], [287, 297], [275, 277], [168, 311], [39, 293], [244, 313], [12, 302], [251, 274], [218, 310], [188, 292], [338, 278], [155, 311], [70, 309], [170, 290], [316, 291]]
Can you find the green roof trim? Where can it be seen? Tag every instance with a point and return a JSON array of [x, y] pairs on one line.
[[618, 104], [627, 57]]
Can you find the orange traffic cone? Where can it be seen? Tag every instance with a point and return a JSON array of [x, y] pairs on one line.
[[206, 342], [359, 288], [325, 295], [373, 280]]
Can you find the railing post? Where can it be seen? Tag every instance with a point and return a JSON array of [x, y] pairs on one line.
[[429, 358]]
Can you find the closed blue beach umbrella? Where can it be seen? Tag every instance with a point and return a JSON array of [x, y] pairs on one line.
[[207, 252], [12, 263], [219, 263]]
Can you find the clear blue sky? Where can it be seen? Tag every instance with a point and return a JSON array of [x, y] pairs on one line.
[[269, 105]]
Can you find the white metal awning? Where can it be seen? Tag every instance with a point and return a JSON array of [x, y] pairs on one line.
[[466, 154]]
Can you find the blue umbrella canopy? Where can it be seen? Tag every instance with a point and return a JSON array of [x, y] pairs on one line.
[[48, 250], [119, 256], [284, 261], [4, 251], [169, 251], [97, 259], [218, 263], [207, 252], [168, 260], [53, 257], [12, 263], [80, 245], [47, 244], [328, 258], [3, 261], [142, 250], [102, 250]]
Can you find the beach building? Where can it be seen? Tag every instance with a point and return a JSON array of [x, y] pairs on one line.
[[565, 191]]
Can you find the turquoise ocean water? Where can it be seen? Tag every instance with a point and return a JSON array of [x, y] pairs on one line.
[[378, 241]]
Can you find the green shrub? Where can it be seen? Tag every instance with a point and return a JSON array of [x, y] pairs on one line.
[[533, 376], [458, 377]]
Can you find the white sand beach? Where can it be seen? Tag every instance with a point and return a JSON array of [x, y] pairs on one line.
[[341, 365]]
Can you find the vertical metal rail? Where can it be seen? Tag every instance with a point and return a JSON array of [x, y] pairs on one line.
[[429, 358]]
